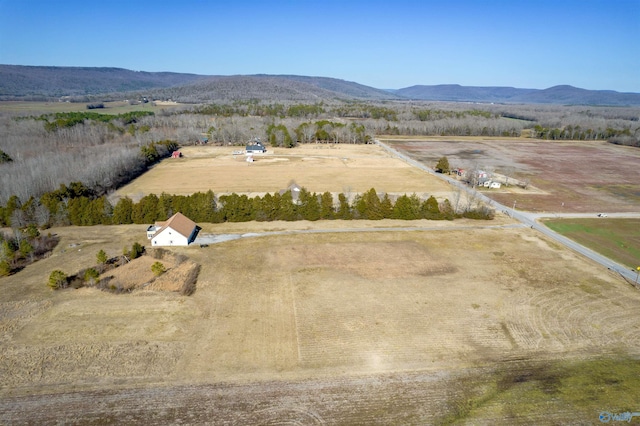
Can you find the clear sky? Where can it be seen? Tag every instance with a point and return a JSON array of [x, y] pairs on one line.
[[592, 44]]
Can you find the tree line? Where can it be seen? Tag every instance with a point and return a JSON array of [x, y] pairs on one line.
[[60, 120], [570, 132], [40, 152], [78, 205]]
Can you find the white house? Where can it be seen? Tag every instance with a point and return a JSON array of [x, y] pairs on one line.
[[178, 230], [255, 148]]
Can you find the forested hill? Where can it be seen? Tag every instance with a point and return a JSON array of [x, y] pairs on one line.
[[84, 84], [271, 88], [562, 95], [18, 81], [38, 82]]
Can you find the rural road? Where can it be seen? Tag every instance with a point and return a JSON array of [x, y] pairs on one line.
[[531, 219], [220, 238]]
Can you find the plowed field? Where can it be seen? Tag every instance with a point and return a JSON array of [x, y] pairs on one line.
[[567, 176]]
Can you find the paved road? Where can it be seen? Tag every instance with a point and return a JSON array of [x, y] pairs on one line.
[[531, 219]]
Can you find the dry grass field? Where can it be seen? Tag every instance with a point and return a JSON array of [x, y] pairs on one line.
[[365, 322], [317, 167], [587, 176], [407, 327], [113, 108]]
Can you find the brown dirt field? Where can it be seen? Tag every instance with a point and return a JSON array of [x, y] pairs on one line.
[[587, 176], [366, 327], [318, 168]]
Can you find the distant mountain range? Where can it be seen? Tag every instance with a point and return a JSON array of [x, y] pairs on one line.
[[40, 82], [564, 94]]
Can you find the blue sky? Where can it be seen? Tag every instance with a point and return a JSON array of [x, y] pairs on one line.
[[386, 44]]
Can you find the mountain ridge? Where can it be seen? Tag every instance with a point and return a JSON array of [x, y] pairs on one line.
[[560, 94], [32, 82]]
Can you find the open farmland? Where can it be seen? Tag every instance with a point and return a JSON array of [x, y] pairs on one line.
[[113, 108], [467, 321], [567, 176], [618, 239], [317, 167]]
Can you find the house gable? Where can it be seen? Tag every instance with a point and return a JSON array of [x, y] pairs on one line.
[[178, 230]]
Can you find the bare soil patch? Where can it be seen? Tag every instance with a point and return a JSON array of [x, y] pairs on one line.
[[573, 176]]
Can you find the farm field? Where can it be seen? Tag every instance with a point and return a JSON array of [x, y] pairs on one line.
[[568, 176], [317, 167], [467, 322], [113, 108], [618, 239]]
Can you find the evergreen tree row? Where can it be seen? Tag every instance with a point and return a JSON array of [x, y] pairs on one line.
[[78, 205]]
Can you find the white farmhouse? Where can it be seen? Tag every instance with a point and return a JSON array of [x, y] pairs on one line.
[[255, 148], [178, 230]]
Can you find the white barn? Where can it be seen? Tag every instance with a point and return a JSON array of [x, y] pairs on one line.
[[178, 230]]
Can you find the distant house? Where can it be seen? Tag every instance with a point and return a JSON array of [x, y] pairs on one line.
[[178, 230], [256, 148], [295, 192]]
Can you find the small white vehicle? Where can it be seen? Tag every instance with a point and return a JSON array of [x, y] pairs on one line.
[[602, 215]]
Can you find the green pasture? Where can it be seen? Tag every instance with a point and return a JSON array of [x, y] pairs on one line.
[[618, 239], [556, 392]]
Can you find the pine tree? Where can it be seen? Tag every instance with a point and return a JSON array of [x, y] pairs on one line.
[[407, 208], [57, 279], [431, 210], [158, 269], [326, 206], [102, 257], [309, 207], [344, 209], [91, 276], [443, 165], [122, 212]]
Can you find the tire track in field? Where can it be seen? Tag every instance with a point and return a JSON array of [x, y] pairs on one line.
[[564, 318]]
